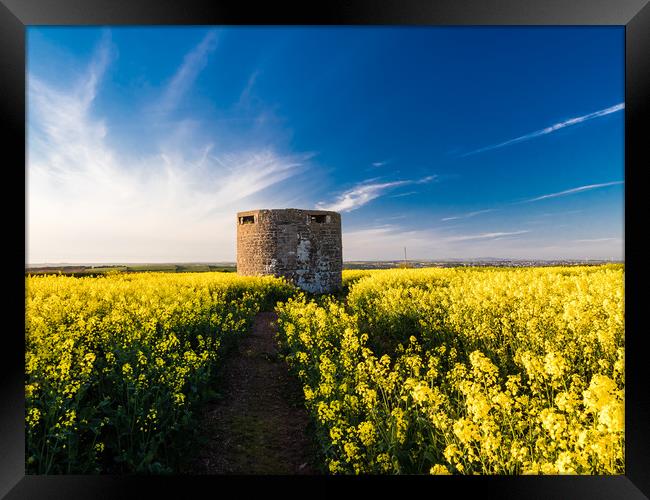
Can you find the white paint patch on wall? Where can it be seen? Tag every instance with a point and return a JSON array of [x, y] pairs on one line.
[[302, 250], [270, 268]]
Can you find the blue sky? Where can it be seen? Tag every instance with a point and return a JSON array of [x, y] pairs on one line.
[[143, 142]]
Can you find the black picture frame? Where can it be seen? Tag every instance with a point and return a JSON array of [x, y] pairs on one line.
[[15, 15]]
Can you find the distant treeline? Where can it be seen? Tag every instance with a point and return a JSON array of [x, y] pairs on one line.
[[80, 270], [141, 268]]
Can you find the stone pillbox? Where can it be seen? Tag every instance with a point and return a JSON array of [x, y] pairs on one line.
[[304, 246]]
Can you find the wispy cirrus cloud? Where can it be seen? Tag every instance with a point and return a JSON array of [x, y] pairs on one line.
[[193, 63], [246, 94], [483, 236], [388, 241], [470, 214], [566, 192], [365, 192], [359, 195], [574, 190], [597, 240], [104, 53], [548, 130], [92, 201], [402, 195], [563, 213]]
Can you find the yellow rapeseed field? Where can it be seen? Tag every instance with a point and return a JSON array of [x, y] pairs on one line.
[[441, 371], [465, 371], [114, 365]]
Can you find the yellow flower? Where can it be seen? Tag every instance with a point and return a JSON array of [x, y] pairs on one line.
[[367, 433], [30, 390], [612, 416], [351, 451], [335, 434], [548, 468], [384, 462], [554, 365], [33, 417], [335, 467], [564, 463], [602, 390], [466, 431], [439, 470], [451, 452]]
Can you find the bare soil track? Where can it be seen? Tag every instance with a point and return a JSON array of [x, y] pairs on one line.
[[259, 426]]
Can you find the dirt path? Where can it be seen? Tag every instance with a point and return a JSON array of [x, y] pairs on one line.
[[260, 424]]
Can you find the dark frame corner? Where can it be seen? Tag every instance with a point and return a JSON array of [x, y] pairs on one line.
[[15, 15]]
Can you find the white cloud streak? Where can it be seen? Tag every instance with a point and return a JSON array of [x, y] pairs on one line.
[[483, 236], [566, 192], [387, 242], [426, 180], [470, 214], [358, 196], [597, 240], [245, 96], [575, 190], [90, 202], [402, 195], [193, 63], [548, 130], [365, 192]]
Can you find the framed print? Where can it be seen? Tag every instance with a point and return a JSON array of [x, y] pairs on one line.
[[348, 244]]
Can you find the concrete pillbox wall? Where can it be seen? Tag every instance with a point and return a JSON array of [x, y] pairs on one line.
[[304, 246]]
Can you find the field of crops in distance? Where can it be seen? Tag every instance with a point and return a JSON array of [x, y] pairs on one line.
[[442, 371]]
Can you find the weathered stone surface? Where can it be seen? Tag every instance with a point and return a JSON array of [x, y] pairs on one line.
[[304, 246]]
